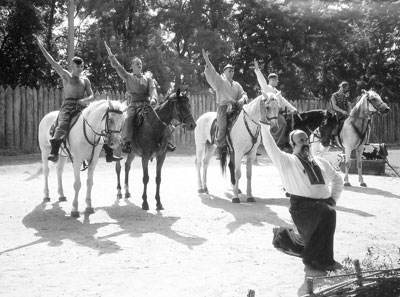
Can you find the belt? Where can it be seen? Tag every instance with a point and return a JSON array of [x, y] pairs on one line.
[[301, 198]]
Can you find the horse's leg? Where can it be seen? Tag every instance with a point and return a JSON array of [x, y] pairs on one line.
[[206, 162], [249, 169], [145, 167], [347, 167], [77, 187], [359, 152], [200, 152], [160, 162], [45, 166], [60, 169], [118, 172], [237, 176], [128, 164], [89, 186]]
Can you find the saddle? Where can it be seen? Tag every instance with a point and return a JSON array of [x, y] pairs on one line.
[[231, 119]]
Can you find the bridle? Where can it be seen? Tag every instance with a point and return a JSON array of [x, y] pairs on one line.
[[106, 132]]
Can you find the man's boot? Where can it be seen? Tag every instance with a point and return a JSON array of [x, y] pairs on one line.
[[110, 154], [171, 147], [55, 147]]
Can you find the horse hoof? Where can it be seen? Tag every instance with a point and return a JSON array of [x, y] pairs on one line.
[[251, 199], [145, 206], [363, 184], [89, 210], [347, 185], [127, 195], [235, 200], [119, 196], [62, 199], [47, 199], [160, 207], [74, 214]]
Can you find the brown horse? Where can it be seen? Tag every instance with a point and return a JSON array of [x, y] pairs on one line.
[[150, 140]]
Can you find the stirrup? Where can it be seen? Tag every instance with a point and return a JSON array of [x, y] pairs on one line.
[[53, 158]]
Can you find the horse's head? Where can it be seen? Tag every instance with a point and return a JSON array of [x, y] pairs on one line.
[[269, 109], [114, 120], [182, 109], [375, 102]]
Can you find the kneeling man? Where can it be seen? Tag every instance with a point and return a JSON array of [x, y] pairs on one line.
[[314, 187]]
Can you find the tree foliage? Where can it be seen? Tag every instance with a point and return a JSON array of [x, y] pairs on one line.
[[312, 45]]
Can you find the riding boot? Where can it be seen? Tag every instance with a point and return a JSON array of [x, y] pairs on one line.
[[110, 154], [171, 147], [55, 147]]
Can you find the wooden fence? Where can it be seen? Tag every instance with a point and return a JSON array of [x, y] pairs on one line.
[[22, 108]]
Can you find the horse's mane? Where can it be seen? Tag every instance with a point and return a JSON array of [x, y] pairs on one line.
[[95, 104]]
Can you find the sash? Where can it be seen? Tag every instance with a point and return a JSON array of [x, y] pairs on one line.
[[313, 171]]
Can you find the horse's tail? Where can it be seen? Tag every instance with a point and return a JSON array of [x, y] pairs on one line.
[[223, 162]]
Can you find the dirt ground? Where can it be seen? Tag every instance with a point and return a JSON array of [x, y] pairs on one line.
[[200, 245]]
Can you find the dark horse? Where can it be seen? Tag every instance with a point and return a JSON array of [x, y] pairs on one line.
[[150, 140], [307, 121]]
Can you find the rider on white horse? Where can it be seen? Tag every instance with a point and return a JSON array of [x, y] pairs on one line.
[[228, 92], [270, 87]]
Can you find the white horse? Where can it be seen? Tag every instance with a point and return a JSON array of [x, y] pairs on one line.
[[99, 123], [244, 139], [354, 132]]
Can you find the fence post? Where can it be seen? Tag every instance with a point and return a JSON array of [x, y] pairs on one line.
[[16, 116], [9, 117], [23, 120], [2, 117], [36, 119], [30, 123]]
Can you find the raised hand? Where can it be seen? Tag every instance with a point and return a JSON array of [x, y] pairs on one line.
[[205, 56], [256, 67]]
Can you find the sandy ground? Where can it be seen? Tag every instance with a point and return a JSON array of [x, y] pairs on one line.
[[200, 245]]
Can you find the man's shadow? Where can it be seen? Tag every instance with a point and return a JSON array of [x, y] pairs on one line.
[[372, 191], [53, 227], [135, 222]]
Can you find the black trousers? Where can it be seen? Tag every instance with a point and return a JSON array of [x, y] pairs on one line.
[[316, 223]]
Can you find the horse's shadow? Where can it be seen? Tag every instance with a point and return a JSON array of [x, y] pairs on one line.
[[247, 213], [53, 226], [372, 191], [135, 222]]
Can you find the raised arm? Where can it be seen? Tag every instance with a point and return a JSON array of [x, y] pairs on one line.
[[261, 79], [122, 73], [153, 92], [64, 74], [212, 76]]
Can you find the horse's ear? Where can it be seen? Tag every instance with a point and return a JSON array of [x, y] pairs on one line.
[[363, 91], [178, 92]]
